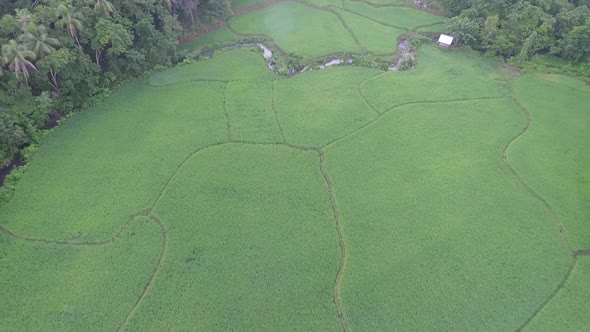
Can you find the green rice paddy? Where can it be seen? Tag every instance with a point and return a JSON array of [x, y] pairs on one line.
[[298, 28], [398, 17], [219, 196], [374, 37], [222, 34], [237, 4]]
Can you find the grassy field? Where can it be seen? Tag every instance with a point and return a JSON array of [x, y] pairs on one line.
[[440, 235], [568, 311], [237, 4], [553, 163], [257, 250], [250, 107], [398, 17], [437, 78], [298, 28], [321, 106], [222, 34], [73, 189], [385, 2], [219, 196], [72, 288], [438, 27], [238, 65], [327, 3], [376, 38]]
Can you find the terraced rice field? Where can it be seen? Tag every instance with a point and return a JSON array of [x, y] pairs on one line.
[[220, 196]]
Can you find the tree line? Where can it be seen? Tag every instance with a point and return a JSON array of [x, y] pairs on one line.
[[521, 29], [58, 56]]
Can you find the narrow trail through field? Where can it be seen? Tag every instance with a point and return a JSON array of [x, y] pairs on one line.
[[554, 218], [274, 110], [149, 285], [118, 235], [519, 179], [219, 24], [544, 78], [360, 91], [402, 5], [405, 104], [426, 25], [551, 296], [342, 21], [266, 4], [341, 243], [178, 168], [328, 8], [225, 114], [151, 214], [376, 21]]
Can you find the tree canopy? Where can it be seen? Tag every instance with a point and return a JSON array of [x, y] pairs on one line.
[[69, 53], [523, 28]]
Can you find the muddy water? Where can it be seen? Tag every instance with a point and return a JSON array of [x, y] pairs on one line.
[[334, 62], [405, 52], [267, 54]]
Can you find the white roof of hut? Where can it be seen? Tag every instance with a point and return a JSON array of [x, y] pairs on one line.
[[446, 40]]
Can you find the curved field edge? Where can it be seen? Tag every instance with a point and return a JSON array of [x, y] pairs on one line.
[[439, 76], [405, 18], [223, 87], [112, 167], [367, 43], [225, 66], [150, 281], [552, 163], [298, 28], [490, 248], [341, 244], [567, 310], [61, 287], [328, 104], [222, 34], [265, 242]]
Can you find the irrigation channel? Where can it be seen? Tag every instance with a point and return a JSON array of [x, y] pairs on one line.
[[404, 47]]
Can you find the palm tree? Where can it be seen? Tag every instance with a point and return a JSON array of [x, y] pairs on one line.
[[17, 57], [37, 41], [68, 21], [24, 17], [105, 5]]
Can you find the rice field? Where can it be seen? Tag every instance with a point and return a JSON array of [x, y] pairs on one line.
[[397, 17], [222, 34], [298, 28], [217, 195], [374, 37], [554, 105]]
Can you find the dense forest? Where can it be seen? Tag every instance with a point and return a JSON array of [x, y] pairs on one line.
[[59, 56], [517, 28]]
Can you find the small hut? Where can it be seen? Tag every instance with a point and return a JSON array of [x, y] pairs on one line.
[[445, 41]]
